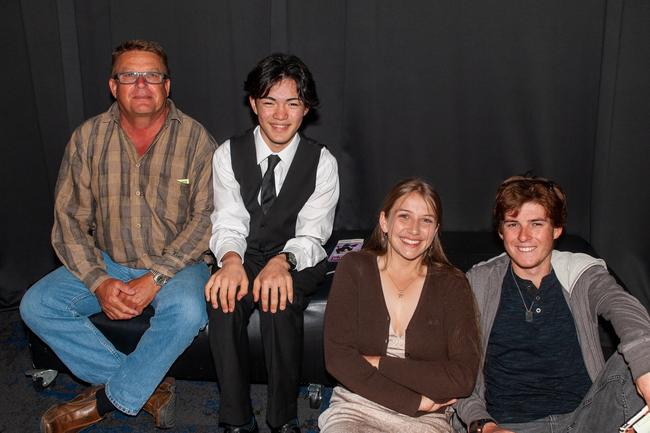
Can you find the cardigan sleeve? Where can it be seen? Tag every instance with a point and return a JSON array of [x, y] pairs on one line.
[[474, 407], [343, 358], [453, 375]]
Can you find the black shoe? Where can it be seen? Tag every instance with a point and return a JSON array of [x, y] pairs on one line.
[[242, 429], [287, 428]]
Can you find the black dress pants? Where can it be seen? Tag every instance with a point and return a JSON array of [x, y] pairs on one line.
[[282, 339]]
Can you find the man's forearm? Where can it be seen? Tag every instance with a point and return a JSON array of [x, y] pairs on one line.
[[223, 243], [472, 408], [182, 252], [190, 244], [82, 259], [74, 217]]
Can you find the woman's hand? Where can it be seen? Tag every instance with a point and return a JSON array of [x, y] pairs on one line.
[[428, 405], [373, 360]]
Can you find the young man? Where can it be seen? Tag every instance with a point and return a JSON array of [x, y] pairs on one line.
[[275, 197], [544, 369], [132, 222]]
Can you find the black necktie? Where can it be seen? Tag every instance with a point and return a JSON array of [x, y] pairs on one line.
[[267, 190]]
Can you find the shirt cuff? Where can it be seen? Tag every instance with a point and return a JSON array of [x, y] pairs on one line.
[[95, 279], [308, 251], [227, 247]]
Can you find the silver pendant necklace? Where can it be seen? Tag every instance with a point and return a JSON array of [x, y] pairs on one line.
[[400, 291], [529, 310]]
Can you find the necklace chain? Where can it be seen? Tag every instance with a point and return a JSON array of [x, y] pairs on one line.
[[400, 291], [529, 311]]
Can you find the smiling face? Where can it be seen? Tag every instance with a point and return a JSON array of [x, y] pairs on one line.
[[411, 226], [140, 99], [279, 114], [528, 237]]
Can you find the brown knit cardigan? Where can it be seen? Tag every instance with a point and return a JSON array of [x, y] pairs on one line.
[[442, 338]]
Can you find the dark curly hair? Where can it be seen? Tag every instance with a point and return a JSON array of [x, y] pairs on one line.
[[277, 67], [515, 191]]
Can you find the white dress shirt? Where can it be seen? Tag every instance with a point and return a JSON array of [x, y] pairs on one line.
[[231, 220]]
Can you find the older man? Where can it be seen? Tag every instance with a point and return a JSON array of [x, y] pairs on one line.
[[132, 222]]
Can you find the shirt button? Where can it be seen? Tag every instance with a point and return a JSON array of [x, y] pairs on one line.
[[138, 225], [538, 310], [138, 193], [537, 298], [137, 164]]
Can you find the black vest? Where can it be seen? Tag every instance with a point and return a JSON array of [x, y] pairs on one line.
[[268, 233]]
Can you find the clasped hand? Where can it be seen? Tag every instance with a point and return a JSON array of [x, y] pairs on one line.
[[123, 301], [272, 287], [426, 404]]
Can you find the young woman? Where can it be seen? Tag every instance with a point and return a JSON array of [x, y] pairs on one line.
[[401, 333]]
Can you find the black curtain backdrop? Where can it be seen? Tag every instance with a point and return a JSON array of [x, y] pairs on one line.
[[462, 93]]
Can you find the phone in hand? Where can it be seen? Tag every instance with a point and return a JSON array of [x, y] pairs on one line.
[[639, 423]]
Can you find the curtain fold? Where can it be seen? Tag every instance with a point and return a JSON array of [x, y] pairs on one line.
[[459, 92]]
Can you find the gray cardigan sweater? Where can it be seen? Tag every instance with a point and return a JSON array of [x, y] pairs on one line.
[[590, 292]]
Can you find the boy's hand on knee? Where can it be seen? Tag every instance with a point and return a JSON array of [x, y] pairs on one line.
[[108, 294], [273, 286], [221, 288]]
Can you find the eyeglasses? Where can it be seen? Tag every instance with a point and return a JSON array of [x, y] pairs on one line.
[[132, 77]]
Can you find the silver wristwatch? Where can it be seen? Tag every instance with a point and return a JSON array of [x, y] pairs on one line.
[[158, 278]]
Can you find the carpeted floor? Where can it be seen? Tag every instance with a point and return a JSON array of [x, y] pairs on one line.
[[21, 405]]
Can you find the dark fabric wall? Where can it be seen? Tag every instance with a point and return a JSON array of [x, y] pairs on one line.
[[459, 92], [620, 208]]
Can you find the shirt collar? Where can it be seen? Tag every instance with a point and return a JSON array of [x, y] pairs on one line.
[[262, 151], [549, 280]]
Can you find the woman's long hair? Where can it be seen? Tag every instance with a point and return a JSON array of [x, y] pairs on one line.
[[378, 244]]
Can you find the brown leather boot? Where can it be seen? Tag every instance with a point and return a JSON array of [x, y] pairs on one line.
[[74, 415], [162, 404]]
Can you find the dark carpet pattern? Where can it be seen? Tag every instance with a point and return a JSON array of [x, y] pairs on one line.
[[21, 405]]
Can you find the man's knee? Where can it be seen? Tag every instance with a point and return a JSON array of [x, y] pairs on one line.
[[30, 306], [217, 315], [183, 299], [39, 298], [289, 319], [230, 325], [190, 312]]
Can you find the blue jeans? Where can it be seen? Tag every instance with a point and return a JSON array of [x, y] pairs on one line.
[[57, 309], [609, 403]]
